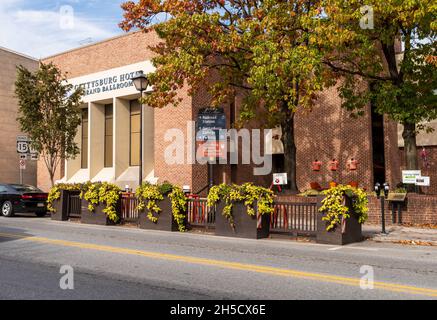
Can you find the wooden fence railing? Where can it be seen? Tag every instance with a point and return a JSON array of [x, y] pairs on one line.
[[129, 212], [288, 217], [199, 214], [74, 205], [294, 218]]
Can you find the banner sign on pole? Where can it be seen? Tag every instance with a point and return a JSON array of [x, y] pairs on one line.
[[210, 132]]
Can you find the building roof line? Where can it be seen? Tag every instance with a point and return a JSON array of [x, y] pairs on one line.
[[91, 44], [18, 53]]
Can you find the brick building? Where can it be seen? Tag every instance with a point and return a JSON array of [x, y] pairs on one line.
[[109, 144], [9, 158]]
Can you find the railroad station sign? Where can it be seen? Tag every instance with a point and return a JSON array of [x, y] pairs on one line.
[[210, 132]]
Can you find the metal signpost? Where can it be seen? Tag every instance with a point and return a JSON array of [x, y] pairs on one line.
[[25, 152], [211, 137]]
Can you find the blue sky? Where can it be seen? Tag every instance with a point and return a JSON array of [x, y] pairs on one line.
[[40, 28]]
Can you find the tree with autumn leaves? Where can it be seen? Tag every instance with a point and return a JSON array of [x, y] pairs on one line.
[[280, 54], [394, 55], [260, 48]]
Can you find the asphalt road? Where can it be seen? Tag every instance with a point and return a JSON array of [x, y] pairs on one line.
[[128, 263]]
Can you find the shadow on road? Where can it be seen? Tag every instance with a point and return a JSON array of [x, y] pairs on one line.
[[8, 234]]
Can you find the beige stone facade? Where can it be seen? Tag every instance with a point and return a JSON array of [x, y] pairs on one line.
[[9, 159]]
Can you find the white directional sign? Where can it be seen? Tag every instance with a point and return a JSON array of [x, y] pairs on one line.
[[423, 181], [25, 150], [409, 176], [280, 179]]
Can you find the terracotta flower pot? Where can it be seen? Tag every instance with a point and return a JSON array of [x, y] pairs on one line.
[[333, 184], [353, 184]]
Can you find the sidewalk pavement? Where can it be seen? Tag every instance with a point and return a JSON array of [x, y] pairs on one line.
[[401, 235]]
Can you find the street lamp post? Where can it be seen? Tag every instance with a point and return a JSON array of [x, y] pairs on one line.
[[141, 83]]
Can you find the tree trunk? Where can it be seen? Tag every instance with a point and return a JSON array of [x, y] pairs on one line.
[[410, 146], [52, 178], [289, 152], [410, 151]]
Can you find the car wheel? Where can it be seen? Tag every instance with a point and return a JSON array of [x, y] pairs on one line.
[[41, 214], [7, 209]]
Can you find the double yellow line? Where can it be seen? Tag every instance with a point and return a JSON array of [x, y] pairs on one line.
[[229, 265]]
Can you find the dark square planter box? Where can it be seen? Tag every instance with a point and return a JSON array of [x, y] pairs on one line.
[[352, 232], [62, 205], [97, 217], [166, 222], [245, 225]]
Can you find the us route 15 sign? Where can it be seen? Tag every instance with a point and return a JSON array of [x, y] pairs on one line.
[[210, 132], [23, 144]]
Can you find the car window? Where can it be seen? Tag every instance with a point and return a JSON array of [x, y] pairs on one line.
[[24, 188], [3, 189]]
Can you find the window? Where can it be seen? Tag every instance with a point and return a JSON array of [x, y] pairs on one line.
[[109, 130], [135, 121], [84, 143], [24, 188]]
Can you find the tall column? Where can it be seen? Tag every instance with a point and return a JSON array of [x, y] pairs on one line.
[[72, 166], [121, 135], [148, 141], [96, 151]]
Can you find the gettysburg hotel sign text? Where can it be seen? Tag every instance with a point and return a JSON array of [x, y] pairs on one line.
[[110, 83]]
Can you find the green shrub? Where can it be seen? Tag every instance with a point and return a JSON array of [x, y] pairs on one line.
[[150, 195], [102, 192], [333, 205], [55, 193]]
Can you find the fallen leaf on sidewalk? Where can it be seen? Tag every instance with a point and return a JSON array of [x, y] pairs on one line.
[[423, 226], [415, 243]]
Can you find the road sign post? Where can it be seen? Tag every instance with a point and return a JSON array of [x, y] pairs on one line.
[[22, 167]]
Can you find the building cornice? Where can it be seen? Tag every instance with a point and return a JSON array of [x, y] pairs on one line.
[[18, 54]]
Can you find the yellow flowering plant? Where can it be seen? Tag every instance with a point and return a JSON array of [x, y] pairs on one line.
[[150, 195], [248, 194], [102, 192], [335, 208]]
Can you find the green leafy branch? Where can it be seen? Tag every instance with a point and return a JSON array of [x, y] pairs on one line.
[[247, 193], [335, 208]]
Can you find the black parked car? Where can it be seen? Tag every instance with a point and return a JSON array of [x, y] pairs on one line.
[[19, 198]]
